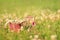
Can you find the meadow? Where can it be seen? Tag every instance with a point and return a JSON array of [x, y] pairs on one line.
[[45, 12]]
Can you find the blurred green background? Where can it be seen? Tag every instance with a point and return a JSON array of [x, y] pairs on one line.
[[11, 5]]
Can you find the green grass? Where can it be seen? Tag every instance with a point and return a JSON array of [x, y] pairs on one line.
[[34, 8]]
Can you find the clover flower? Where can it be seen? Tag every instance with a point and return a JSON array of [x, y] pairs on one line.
[[31, 20], [14, 26]]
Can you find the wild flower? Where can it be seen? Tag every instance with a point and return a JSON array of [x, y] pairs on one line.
[[17, 24], [1, 20], [53, 37], [52, 17], [30, 20], [31, 36], [13, 26], [35, 37], [58, 11]]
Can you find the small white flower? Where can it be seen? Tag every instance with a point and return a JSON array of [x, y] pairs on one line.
[[39, 39], [49, 26], [35, 36], [34, 39], [7, 21], [30, 36], [42, 18], [1, 20], [22, 28], [28, 30], [58, 11], [53, 37]]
